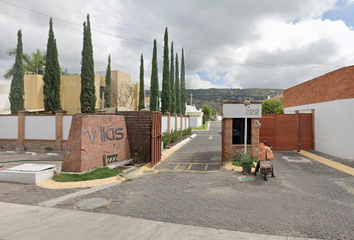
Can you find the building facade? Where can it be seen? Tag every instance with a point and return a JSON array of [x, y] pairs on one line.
[[330, 98], [124, 94]]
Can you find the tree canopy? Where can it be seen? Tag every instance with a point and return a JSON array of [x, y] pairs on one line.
[[141, 89], [88, 90], [166, 91], [271, 106], [108, 80], [17, 85], [154, 81], [51, 78]]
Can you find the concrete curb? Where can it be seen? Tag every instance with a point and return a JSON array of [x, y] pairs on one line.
[[332, 164], [165, 154]]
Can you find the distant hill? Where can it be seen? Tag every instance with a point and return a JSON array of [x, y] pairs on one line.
[[215, 96]]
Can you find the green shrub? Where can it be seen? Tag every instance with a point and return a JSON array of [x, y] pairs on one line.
[[244, 160], [172, 137]]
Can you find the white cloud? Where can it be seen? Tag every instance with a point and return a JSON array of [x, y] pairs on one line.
[[234, 43]]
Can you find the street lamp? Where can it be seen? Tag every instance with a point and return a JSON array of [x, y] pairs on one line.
[[246, 103]]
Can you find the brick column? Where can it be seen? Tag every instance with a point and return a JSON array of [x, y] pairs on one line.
[[226, 140], [181, 122], [21, 129], [59, 128], [168, 122]]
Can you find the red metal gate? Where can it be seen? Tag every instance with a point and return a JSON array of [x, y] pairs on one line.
[[156, 138], [287, 131]]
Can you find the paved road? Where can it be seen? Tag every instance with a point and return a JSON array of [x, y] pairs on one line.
[[204, 154], [306, 199]]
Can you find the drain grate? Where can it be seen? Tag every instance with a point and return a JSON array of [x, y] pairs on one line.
[[247, 178]]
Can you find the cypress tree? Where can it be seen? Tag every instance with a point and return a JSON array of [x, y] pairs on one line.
[[183, 86], [141, 90], [88, 91], [17, 85], [178, 90], [172, 83], [166, 92], [107, 91], [154, 82], [51, 78]]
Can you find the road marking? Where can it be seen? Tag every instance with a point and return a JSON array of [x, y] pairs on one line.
[[336, 165], [195, 163], [206, 167], [190, 166], [211, 137], [190, 171], [176, 167]]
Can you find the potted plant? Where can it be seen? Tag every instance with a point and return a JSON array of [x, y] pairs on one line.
[[246, 161]]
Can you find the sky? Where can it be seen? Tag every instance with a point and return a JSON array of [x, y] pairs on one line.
[[227, 43]]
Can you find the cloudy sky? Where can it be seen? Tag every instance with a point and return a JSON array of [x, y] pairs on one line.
[[227, 43]]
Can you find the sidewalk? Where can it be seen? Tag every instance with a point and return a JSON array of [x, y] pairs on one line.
[[32, 222]]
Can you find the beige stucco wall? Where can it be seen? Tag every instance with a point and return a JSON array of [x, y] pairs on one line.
[[70, 90], [70, 93], [124, 93], [33, 86]]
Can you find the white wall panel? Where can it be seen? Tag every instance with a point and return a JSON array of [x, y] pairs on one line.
[[164, 124], [178, 123], [173, 123], [8, 127], [334, 126], [40, 127], [195, 122], [66, 126]]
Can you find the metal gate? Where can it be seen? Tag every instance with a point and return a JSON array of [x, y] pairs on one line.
[[287, 131], [156, 138]]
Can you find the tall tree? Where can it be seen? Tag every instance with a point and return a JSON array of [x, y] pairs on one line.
[[172, 83], [154, 81], [33, 62], [141, 90], [17, 86], [88, 91], [51, 78], [107, 91], [177, 87], [166, 92], [183, 86]]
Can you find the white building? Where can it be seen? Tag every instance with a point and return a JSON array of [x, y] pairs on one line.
[[4, 97], [196, 116], [330, 98]]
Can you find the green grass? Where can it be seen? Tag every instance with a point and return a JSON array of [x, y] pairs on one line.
[[202, 127], [98, 173]]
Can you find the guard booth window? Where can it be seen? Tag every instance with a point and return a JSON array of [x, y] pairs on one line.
[[238, 133]]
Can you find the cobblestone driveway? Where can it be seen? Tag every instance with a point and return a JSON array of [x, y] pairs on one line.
[[306, 199]]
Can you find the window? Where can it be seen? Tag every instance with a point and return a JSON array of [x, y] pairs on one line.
[[238, 134]]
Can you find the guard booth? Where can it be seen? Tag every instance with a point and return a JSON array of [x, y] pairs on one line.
[[240, 129]]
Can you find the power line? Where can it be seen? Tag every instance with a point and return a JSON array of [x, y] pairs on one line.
[[171, 33], [151, 43]]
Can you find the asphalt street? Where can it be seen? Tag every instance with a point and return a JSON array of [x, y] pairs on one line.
[[306, 199]]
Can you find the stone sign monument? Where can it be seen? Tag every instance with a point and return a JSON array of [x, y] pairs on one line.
[[95, 141]]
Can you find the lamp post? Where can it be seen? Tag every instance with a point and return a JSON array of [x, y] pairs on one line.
[[246, 103]]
